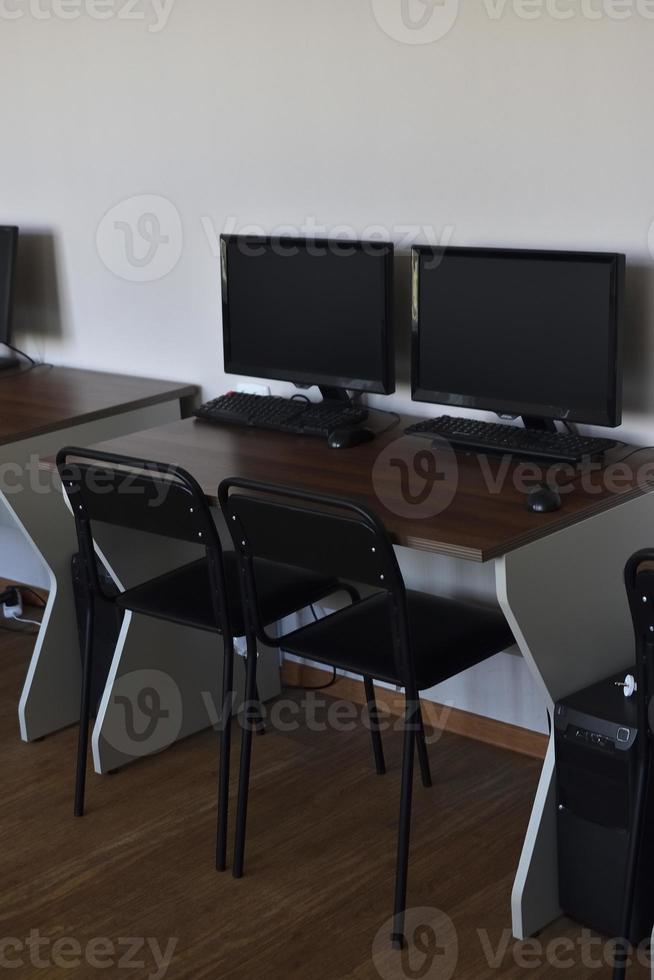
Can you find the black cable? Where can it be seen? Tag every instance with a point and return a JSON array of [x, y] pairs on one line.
[[25, 588], [22, 353], [7, 594], [397, 418], [317, 687], [638, 449]]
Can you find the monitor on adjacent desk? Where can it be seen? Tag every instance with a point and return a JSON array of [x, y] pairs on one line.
[[519, 332], [8, 247], [309, 311]]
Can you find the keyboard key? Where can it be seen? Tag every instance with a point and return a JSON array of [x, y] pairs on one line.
[[482, 437], [293, 415]]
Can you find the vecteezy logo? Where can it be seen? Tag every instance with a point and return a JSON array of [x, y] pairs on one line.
[[416, 21], [149, 713], [140, 239], [417, 481], [431, 951]]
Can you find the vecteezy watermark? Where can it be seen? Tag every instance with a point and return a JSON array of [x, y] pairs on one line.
[[143, 953], [562, 10], [568, 953], [416, 21], [319, 714], [154, 13], [322, 237], [141, 239], [412, 478], [146, 714], [149, 712], [416, 482], [418, 479], [431, 951], [426, 21]]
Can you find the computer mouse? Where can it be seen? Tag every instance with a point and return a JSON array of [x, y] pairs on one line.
[[347, 438], [543, 499]]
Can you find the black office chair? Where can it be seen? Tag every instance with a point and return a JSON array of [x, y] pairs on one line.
[[165, 500], [406, 638], [639, 583]]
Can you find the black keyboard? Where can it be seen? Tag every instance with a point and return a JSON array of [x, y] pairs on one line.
[[282, 414], [494, 437]]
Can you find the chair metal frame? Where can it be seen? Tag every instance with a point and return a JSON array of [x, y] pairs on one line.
[[183, 514], [376, 566], [641, 605]]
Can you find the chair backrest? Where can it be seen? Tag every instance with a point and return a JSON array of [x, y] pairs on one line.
[[318, 533], [140, 495], [639, 583]]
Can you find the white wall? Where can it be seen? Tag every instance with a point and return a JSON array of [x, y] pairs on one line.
[[506, 130]]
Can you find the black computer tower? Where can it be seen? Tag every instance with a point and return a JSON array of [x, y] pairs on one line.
[[596, 759]]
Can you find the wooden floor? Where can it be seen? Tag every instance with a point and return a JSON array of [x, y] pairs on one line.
[[320, 861]]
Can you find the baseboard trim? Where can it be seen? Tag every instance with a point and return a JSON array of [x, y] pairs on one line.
[[488, 730]]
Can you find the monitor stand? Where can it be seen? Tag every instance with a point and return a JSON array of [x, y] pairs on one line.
[[330, 394], [8, 360], [538, 424]]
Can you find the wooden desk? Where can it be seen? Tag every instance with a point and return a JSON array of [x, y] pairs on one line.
[[558, 576], [477, 524], [49, 399], [40, 410]]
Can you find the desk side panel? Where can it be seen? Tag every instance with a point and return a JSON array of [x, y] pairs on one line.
[[31, 502], [565, 601]]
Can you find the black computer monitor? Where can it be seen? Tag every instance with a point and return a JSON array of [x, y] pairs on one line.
[[519, 332], [309, 311], [8, 246]]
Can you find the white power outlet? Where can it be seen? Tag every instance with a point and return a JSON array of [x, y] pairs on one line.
[[253, 389]]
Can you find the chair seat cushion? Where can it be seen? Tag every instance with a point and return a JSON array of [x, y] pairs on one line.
[[184, 594], [446, 636]]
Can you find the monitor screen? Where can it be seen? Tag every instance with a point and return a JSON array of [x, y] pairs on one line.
[[519, 332], [8, 243], [308, 311]]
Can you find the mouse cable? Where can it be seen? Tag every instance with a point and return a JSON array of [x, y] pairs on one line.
[[396, 419], [638, 449]]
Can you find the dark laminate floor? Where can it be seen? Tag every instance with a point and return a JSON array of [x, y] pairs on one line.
[[319, 867]]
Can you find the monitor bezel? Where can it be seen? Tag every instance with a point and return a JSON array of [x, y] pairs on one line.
[[610, 415], [6, 315], [383, 385]]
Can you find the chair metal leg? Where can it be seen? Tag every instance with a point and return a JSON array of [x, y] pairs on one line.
[[85, 710], [622, 946], [373, 716], [404, 830], [225, 752], [423, 755], [246, 754], [261, 725]]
